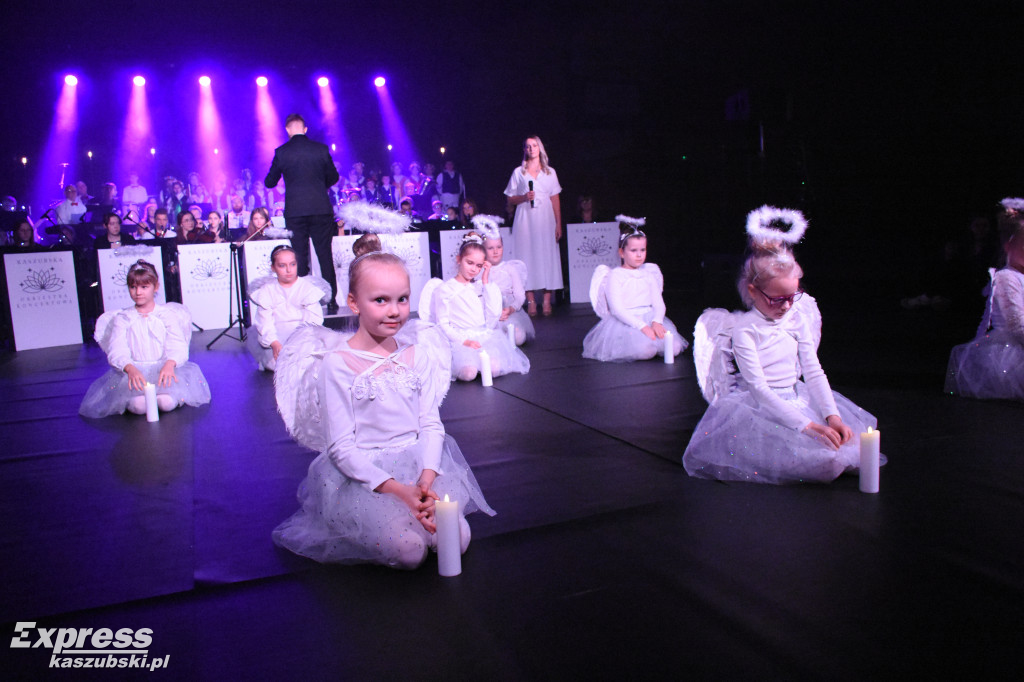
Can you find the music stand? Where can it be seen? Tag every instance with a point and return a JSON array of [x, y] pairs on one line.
[[235, 293]]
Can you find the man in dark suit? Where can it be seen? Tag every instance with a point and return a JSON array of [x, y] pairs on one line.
[[308, 174]]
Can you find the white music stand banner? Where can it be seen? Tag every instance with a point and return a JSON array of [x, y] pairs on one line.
[[257, 257], [451, 240], [412, 247], [43, 295], [113, 271], [205, 290], [590, 245]]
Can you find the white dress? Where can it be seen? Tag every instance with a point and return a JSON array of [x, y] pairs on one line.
[[147, 342], [470, 311], [627, 300], [279, 310], [534, 228], [372, 418], [510, 277], [753, 428], [992, 365]]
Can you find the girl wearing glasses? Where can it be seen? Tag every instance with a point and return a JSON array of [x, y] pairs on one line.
[[772, 417]]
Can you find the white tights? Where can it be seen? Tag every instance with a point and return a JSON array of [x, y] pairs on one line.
[[137, 405]]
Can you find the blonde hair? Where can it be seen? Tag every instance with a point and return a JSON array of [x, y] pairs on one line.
[[357, 266], [767, 260], [543, 156], [365, 244]]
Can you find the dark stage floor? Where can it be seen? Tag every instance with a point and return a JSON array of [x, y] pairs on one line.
[[605, 560]]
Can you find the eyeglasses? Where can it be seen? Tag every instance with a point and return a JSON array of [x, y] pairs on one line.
[[777, 301]]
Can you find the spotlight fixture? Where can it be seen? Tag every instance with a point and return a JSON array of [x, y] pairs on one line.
[[379, 81], [322, 81], [89, 154], [70, 79], [261, 81], [152, 151], [216, 150], [442, 151], [389, 147], [204, 81], [24, 161], [139, 81]]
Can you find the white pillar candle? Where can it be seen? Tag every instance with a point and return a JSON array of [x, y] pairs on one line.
[[511, 329], [152, 411], [449, 541], [670, 356], [485, 369], [870, 447]]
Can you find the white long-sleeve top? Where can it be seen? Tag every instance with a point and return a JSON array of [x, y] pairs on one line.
[[506, 275], [279, 310], [155, 337], [775, 354], [1008, 303], [373, 402], [466, 311], [632, 293]]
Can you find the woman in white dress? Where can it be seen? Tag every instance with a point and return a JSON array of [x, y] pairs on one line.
[[534, 190]]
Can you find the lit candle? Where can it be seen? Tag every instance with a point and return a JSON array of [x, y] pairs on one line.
[[152, 411], [670, 356], [485, 369], [870, 447], [511, 329], [449, 542]]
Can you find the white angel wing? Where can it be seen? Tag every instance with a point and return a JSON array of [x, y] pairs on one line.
[[520, 269], [426, 308], [295, 382], [259, 283], [436, 349], [321, 284], [183, 318], [807, 308], [656, 271], [104, 327], [712, 356], [598, 290]]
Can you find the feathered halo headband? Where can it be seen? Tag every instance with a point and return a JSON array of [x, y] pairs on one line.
[[372, 218], [472, 238], [634, 225], [762, 225], [133, 250], [488, 225], [1013, 204]]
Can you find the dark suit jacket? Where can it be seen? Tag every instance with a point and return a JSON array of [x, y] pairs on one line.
[[308, 172]]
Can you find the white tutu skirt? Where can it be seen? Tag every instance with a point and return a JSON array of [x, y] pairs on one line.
[[505, 357], [340, 521], [110, 393], [736, 440], [990, 366], [613, 341], [523, 324], [261, 354]]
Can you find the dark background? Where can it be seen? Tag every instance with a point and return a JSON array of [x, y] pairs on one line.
[[888, 126]]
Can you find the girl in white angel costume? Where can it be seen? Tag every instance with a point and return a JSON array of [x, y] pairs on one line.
[[992, 365], [509, 276], [466, 309], [629, 302], [772, 416], [283, 302], [369, 405], [145, 343]]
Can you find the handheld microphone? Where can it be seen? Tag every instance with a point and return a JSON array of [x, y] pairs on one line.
[[531, 189]]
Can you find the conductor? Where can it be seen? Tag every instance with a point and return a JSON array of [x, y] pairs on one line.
[[308, 173]]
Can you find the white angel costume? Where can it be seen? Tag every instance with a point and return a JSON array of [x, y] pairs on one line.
[[992, 365], [749, 369], [510, 277], [280, 310], [627, 300], [470, 311], [147, 342], [372, 418]]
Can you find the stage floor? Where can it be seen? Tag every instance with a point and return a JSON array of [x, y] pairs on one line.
[[605, 559]]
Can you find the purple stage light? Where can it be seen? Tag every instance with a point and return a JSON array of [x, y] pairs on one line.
[[71, 80], [261, 81], [139, 81], [269, 131], [204, 81], [379, 81], [322, 81], [152, 151]]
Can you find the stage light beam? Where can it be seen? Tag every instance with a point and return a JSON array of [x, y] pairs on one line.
[[261, 81], [139, 81], [71, 80], [322, 81], [204, 81], [379, 81]]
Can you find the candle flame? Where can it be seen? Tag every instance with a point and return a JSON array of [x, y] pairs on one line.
[[446, 497], [870, 429]]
